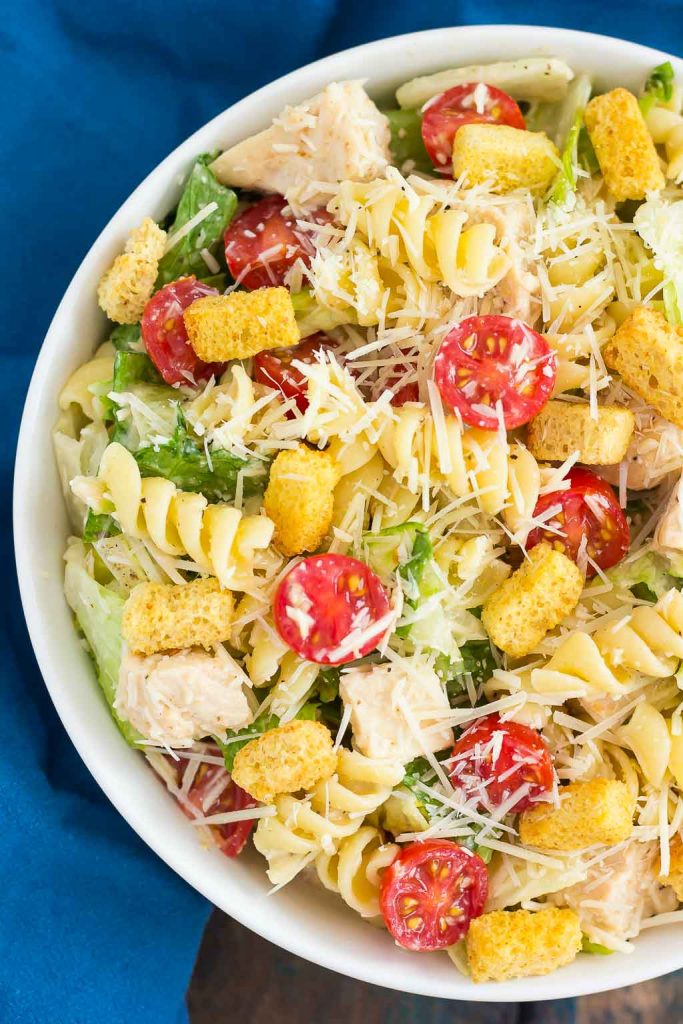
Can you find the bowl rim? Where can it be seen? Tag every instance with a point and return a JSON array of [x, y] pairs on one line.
[[81, 732]]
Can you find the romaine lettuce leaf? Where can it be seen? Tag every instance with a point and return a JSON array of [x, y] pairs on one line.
[[406, 139], [659, 222], [127, 338], [200, 189], [659, 87], [98, 612], [181, 461], [311, 317]]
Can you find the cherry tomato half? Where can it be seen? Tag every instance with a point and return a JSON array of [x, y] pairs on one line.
[[263, 243], [489, 359], [232, 837], [588, 508], [274, 367], [431, 892], [474, 103], [165, 336], [493, 759], [404, 392], [324, 603]]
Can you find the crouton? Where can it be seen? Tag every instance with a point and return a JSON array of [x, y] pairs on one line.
[[562, 428], [236, 326], [545, 588], [506, 944], [623, 145], [599, 811], [509, 157], [125, 289], [300, 498], [647, 352], [675, 876], [284, 760], [166, 617]]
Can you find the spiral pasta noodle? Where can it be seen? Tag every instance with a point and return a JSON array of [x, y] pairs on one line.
[[355, 869], [303, 828], [403, 226], [219, 539], [478, 461], [649, 640], [77, 390]]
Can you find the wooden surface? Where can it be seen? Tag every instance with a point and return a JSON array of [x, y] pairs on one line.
[[240, 978]]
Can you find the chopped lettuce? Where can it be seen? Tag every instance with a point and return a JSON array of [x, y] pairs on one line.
[[659, 222], [407, 146], [407, 548], [127, 338], [98, 526], [594, 947], [649, 576], [477, 661], [191, 468], [419, 772], [569, 123], [659, 87], [98, 612], [534, 78], [200, 190], [236, 739], [148, 408], [311, 317]]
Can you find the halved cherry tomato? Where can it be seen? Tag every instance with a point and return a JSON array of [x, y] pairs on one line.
[[588, 508], [491, 359], [493, 759], [327, 602], [431, 892], [165, 336], [232, 837], [474, 103], [274, 367], [263, 243]]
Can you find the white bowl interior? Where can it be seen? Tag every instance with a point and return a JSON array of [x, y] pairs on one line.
[[300, 918]]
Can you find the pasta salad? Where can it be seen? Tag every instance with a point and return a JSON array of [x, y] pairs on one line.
[[377, 504]]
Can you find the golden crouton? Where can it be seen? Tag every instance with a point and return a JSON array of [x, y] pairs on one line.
[[562, 428], [236, 326], [623, 145], [300, 498], [125, 289], [167, 616], [508, 944], [675, 876], [595, 812], [647, 352], [545, 588], [509, 157], [284, 760]]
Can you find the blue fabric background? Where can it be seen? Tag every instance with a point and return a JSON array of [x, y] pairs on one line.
[[93, 927]]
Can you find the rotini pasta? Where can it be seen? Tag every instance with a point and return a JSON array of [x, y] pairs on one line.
[[302, 829], [78, 388], [355, 869], [218, 539]]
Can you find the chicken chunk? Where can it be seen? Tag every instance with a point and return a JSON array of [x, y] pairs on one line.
[[178, 698], [619, 893], [385, 700], [516, 294], [654, 453], [335, 136], [668, 538]]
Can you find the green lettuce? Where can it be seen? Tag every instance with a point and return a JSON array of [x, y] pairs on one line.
[[200, 189], [98, 526], [311, 317], [406, 139], [568, 130], [127, 338], [190, 468], [594, 947], [98, 612], [659, 87]]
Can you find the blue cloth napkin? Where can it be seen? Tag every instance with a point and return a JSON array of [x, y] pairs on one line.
[[93, 927]]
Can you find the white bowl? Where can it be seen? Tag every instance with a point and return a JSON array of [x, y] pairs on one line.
[[303, 919]]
